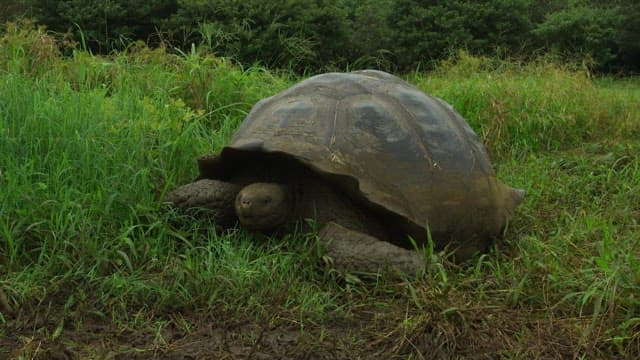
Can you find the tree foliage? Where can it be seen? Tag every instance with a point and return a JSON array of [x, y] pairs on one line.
[[10, 9], [328, 34], [424, 31], [628, 36], [290, 33], [582, 31], [106, 24]]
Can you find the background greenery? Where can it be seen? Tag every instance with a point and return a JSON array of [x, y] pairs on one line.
[[94, 266], [318, 35]]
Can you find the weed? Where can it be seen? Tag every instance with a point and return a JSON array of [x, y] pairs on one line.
[[91, 144]]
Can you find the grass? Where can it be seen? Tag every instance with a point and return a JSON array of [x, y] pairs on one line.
[[92, 264]]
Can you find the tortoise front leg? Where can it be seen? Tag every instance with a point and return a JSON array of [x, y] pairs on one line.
[[354, 251], [5, 306], [208, 198]]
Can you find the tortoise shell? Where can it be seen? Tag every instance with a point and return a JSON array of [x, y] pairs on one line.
[[386, 143]]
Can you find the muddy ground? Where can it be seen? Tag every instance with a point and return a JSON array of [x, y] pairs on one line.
[[370, 333]]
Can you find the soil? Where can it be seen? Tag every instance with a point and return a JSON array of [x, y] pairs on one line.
[[371, 333]]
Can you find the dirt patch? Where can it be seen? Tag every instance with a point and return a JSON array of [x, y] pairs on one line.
[[370, 333]]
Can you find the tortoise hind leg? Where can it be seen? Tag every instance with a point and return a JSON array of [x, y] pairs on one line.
[[354, 251]]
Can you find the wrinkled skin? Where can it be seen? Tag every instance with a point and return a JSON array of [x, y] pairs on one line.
[[354, 239]]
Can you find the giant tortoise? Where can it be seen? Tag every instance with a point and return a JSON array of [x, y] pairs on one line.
[[375, 162]]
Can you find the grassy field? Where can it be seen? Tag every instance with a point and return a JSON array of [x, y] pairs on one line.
[[92, 267]]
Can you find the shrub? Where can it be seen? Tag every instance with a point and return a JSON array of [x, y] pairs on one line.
[[294, 34], [423, 32], [105, 24], [582, 31]]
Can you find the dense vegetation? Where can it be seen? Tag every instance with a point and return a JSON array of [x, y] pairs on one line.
[[91, 263], [314, 35]]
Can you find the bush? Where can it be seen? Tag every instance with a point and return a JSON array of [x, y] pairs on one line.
[[11, 10], [582, 31], [320, 35], [423, 32], [296, 34], [369, 35], [107, 25], [628, 38]]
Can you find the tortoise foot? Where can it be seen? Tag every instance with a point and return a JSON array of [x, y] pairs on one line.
[[354, 251]]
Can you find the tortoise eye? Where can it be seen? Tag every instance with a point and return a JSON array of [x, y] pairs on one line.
[[266, 200]]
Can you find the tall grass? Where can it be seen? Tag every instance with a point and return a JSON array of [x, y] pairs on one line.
[[537, 106], [89, 146]]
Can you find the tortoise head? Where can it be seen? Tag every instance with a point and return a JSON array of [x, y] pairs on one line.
[[263, 206]]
